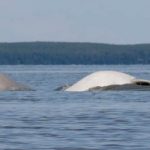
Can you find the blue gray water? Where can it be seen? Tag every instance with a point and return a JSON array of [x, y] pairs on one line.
[[45, 119]]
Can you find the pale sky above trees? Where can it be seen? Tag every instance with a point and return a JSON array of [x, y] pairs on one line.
[[103, 21]]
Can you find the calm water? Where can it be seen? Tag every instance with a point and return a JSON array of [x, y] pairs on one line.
[[45, 119]]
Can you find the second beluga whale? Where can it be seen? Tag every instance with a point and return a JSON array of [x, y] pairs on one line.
[[8, 84]]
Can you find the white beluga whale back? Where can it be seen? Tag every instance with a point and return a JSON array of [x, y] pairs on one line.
[[107, 80], [7, 84]]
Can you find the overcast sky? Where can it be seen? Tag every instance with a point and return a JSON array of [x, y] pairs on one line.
[[103, 21]]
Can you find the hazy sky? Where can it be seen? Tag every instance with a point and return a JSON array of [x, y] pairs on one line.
[[104, 21]]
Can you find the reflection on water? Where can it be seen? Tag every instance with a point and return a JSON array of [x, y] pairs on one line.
[[57, 120]]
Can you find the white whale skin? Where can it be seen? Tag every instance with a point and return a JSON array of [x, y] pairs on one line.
[[104, 79]]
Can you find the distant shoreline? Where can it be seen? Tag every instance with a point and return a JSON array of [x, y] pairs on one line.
[[73, 53]]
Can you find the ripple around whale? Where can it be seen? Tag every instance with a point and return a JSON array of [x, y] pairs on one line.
[[7, 84], [109, 80]]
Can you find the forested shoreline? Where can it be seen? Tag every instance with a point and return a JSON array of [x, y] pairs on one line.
[[72, 53]]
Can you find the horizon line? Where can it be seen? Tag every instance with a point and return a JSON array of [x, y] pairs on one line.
[[73, 42]]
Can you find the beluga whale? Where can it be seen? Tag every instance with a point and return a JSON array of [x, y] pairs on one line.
[[109, 80], [8, 84]]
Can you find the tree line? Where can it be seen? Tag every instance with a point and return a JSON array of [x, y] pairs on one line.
[[73, 53]]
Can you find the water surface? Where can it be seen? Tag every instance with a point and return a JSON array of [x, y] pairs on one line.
[[45, 119]]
